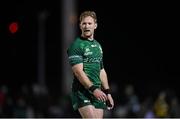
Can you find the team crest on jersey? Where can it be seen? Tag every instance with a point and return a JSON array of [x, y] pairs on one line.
[[93, 45]]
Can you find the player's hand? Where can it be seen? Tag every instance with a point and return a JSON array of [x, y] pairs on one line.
[[100, 95], [110, 102]]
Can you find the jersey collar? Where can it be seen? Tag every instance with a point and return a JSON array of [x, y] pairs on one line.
[[86, 39]]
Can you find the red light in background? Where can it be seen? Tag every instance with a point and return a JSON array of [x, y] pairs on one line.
[[13, 27]]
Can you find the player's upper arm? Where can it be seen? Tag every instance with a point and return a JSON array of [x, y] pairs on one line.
[[77, 68], [75, 54]]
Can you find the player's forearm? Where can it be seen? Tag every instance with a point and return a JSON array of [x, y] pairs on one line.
[[81, 76], [104, 79], [83, 79]]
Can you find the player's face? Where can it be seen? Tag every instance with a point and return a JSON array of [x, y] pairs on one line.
[[87, 27]]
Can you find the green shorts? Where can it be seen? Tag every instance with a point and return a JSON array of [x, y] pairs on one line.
[[83, 98]]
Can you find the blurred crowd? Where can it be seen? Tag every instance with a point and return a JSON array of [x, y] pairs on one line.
[[35, 101]]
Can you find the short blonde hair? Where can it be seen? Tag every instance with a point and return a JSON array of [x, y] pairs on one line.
[[88, 13]]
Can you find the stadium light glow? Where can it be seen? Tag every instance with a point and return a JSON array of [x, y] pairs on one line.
[[13, 27]]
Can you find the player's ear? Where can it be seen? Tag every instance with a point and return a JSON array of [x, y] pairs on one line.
[[95, 25]]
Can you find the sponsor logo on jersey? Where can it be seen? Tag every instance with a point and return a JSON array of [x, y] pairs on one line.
[[86, 101], [88, 52]]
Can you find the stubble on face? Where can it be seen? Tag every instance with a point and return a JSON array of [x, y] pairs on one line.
[[88, 26]]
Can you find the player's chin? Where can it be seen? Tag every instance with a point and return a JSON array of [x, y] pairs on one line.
[[87, 35]]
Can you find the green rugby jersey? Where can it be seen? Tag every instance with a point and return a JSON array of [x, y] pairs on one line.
[[90, 54]]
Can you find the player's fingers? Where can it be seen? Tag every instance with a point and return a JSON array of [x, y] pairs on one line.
[[112, 104], [102, 98]]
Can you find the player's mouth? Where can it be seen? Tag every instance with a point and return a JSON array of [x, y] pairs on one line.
[[86, 30]]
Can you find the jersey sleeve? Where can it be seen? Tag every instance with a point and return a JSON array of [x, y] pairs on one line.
[[101, 64], [75, 54]]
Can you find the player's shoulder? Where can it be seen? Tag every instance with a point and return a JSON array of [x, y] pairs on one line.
[[97, 42], [76, 43]]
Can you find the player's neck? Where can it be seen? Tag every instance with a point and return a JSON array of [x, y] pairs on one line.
[[88, 38]]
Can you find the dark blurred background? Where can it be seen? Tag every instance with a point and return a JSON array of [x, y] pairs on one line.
[[140, 47]]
